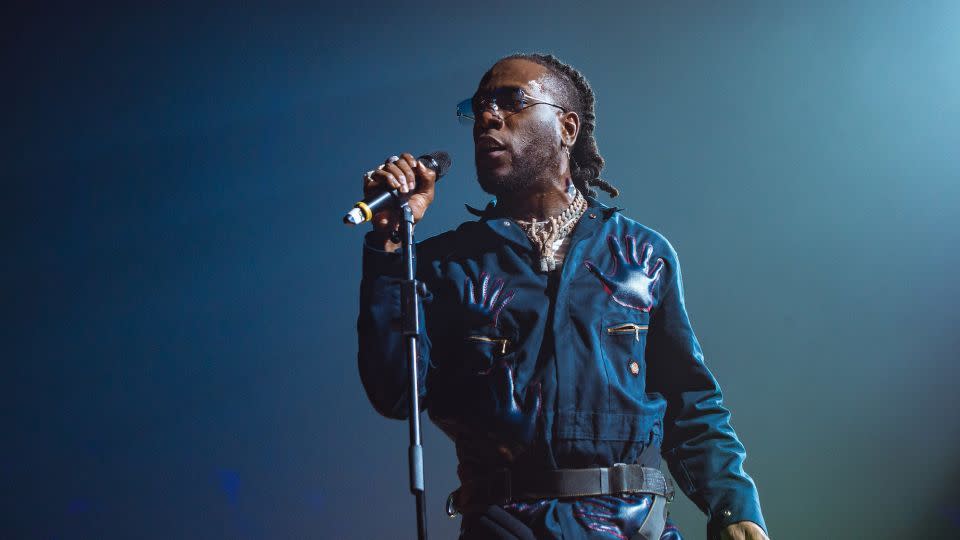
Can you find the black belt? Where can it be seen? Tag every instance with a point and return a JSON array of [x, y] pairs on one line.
[[504, 486]]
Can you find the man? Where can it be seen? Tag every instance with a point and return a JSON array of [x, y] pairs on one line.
[[558, 354]]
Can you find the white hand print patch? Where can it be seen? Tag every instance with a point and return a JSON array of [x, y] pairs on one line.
[[631, 281]]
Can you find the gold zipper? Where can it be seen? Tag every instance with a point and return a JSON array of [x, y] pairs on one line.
[[502, 342], [627, 328]]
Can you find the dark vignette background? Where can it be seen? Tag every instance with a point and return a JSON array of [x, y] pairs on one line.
[[179, 351]]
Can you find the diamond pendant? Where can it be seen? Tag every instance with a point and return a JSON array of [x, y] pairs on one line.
[[548, 263]]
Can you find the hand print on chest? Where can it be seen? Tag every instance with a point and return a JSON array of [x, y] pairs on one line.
[[484, 303], [479, 399], [631, 281]]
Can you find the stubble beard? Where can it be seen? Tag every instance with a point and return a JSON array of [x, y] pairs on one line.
[[527, 166]]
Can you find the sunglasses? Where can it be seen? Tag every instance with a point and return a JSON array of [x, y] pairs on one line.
[[499, 100]]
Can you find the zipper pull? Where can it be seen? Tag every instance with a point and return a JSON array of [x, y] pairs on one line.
[[626, 328], [502, 342]]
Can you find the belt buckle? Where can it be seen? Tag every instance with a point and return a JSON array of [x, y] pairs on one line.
[[617, 480]]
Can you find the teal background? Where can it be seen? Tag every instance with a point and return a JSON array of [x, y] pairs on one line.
[[179, 346]]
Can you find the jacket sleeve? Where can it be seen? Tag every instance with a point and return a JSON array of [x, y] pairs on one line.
[[700, 446], [382, 349]]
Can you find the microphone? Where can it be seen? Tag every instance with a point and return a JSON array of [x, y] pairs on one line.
[[363, 211]]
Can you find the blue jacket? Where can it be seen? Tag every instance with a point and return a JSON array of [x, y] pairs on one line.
[[590, 365]]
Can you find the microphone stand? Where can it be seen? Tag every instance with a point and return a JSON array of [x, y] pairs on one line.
[[410, 290]]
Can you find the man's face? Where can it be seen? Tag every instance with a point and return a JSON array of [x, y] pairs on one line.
[[512, 149]]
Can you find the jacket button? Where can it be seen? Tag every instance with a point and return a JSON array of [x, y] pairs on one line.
[[727, 513], [634, 367], [593, 216]]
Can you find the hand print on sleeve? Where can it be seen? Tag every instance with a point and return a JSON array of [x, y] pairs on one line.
[[631, 281], [484, 305]]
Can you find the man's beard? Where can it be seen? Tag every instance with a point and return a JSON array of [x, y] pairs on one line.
[[527, 165]]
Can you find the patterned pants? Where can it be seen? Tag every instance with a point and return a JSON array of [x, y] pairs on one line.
[[637, 516]]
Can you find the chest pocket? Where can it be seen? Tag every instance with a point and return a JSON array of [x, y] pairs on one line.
[[461, 378], [484, 347], [623, 342], [473, 392]]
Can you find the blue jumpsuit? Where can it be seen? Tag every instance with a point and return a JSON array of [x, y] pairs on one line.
[[589, 365]]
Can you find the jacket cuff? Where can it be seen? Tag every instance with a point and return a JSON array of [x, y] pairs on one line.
[[377, 262], [733, 511]]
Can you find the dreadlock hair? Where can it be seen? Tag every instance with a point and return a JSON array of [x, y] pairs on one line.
[[576, 95]]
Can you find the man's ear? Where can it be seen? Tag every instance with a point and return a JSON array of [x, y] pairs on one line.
[[569, 128]]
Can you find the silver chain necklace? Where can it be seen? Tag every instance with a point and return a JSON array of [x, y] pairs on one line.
[[548, 235]]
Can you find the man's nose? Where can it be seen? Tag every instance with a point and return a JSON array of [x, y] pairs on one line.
[[490, 116]]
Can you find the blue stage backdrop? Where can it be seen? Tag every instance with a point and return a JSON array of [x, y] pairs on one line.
[[180, 346]]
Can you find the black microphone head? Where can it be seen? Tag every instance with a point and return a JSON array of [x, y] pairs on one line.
[[439, 161]]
